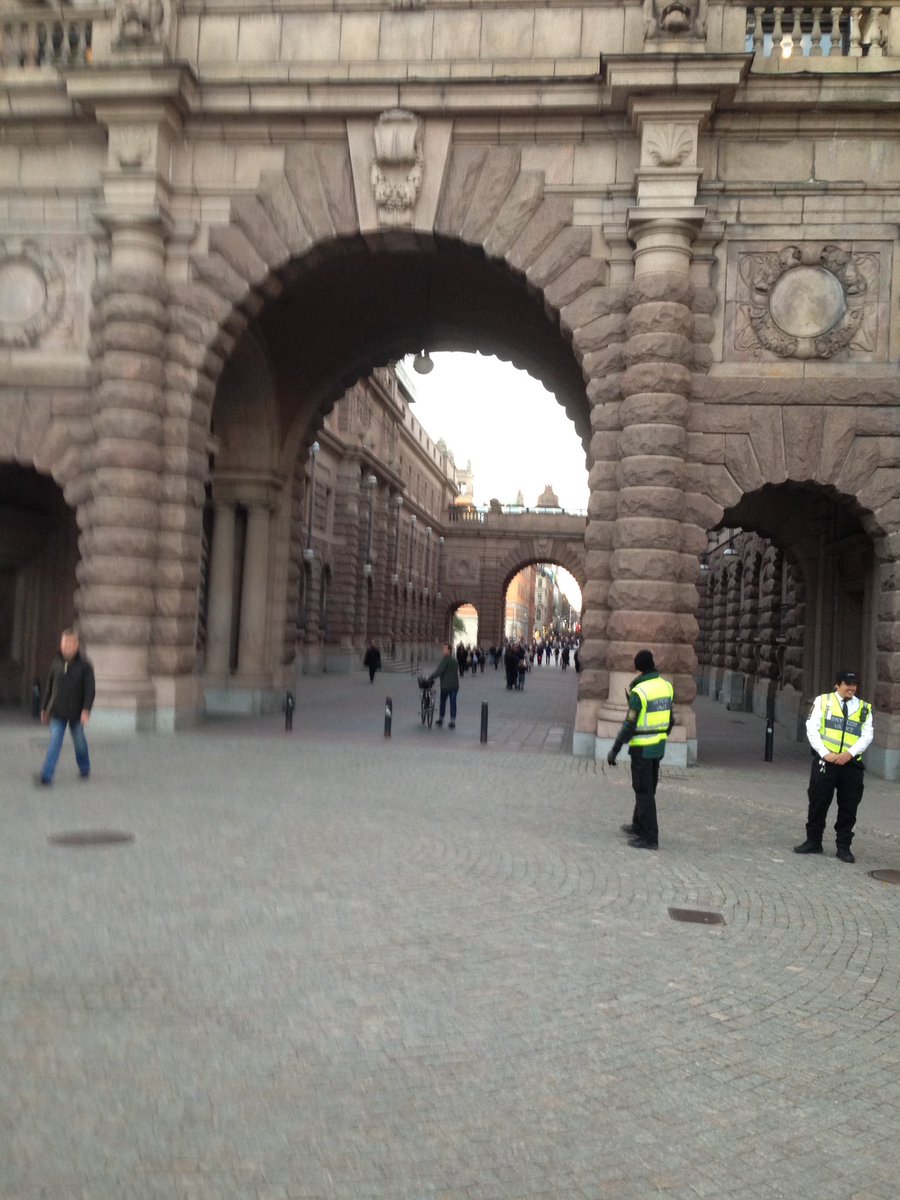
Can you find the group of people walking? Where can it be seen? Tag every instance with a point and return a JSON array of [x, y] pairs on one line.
[[839, 730]]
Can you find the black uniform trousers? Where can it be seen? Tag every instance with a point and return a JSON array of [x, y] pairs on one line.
[[824, 780], [644, 778]]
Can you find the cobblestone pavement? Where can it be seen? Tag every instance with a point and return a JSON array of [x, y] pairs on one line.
[[332, 966]]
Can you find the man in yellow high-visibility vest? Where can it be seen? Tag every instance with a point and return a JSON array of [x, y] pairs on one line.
[[646, 729], [839, 730]]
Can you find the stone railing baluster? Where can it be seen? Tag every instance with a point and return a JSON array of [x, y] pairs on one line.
[[777, 31], [815, 38], [758, 35], [855, 50], [814, 31], [835, 47], [874, 36], [797, 35]]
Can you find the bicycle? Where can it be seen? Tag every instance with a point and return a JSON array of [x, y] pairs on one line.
[[427, 687]]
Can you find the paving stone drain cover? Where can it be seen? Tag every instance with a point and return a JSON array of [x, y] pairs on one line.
[[696, 916], [91, 837], [886, 876]]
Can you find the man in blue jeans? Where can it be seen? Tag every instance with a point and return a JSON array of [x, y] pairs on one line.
[[67, 701], [447, 671]]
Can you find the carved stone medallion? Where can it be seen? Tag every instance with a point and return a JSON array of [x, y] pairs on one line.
[[809, 301], [32, 290]]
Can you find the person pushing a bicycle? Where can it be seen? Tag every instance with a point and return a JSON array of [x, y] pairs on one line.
[[447, 671]]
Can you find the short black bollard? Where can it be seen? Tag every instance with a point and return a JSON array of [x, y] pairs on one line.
[[388, 715], [288, 712], [484, 719], [770, 728]]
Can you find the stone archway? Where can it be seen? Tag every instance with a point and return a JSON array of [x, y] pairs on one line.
[[273, 271]]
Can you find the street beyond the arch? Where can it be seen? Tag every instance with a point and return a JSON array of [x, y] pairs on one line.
[[332, 966]]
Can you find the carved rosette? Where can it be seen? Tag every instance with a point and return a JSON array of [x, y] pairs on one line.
[[396, 174], [668, 19], [141, 23], [808, 302], [32, 290]]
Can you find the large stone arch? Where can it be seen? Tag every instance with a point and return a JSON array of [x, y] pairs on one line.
[[490, 213]]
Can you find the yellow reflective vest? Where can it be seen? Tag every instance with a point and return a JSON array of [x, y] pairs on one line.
[[658, 696], [836, 732]]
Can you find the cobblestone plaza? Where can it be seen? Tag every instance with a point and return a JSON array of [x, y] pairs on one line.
[[335, 967]]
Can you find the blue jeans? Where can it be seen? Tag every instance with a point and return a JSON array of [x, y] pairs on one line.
[[452, 693], [79, 741]]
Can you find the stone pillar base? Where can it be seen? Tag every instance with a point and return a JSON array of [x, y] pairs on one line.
[[883, 762], [179, 702], [126, 713], [239, 700], [681, 751]]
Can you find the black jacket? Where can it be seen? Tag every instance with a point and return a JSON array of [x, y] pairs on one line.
[[69, 689]]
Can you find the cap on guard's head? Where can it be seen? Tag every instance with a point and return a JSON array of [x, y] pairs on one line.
[[643, 661], [846, 677]]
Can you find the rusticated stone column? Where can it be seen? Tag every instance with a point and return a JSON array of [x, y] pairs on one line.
[[117, 573], [733, 616], [769, 619], [345, 590], [221, 590], [655, 560]]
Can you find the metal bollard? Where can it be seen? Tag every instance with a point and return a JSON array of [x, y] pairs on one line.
[[288, 712], [388, 715], [484, 721], [770, 728]]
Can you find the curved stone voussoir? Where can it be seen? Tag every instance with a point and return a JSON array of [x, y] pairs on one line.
[[277, 198], [567, 247], [566, 288], [713, 483], [604, 389], [654, 439], [653, 347], [304, 177], [524, 198], [236, 249], [495, 181], [554, 214], [742, 462], [661, 285], [222, 278], [656, 377], [605, 331], [252, 219], [604, 362], [466, 165], [607, 418]]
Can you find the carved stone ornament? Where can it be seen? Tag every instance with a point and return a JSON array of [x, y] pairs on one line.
[[131, 148], [669, 145], [679, 19], [141, 23], [808, 304], [32, 290], [396, 175]]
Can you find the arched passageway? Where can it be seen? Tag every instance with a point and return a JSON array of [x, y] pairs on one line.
[[788, 595], [290, 520], [38, 559]]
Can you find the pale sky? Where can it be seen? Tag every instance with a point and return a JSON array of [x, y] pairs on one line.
[[514, 431]]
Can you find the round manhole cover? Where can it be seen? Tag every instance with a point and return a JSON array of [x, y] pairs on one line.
[[886, 876], [91, 837]]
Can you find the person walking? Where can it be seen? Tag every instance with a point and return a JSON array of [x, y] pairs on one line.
[[372, 660], [67, 701], [447, 671], [839, 730], [646, 730]]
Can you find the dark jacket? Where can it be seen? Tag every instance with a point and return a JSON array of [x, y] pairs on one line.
[[447, 671], [372, 658], [69, 689]]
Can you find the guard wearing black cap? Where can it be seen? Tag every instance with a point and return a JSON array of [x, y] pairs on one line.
[[646, 729], [840, 731]]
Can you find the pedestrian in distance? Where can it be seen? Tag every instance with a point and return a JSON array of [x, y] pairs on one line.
[[67, 702], [372, 660], [646, 730], [839, 730], [447, 671]]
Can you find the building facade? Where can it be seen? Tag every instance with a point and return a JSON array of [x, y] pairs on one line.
[[216, 218]]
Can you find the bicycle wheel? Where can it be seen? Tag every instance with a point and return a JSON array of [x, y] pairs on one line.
[[425, 709], [430, 711]]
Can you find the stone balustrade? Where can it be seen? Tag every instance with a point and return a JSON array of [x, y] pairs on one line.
[[805, 31], [37, 37]]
